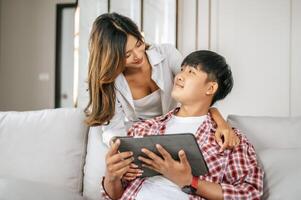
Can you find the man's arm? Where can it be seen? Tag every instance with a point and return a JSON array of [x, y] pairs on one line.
[[209, 190], [243, 178], [113, 189], [117, 164]]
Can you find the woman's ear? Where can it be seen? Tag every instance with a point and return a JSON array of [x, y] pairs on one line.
[[212, 88]]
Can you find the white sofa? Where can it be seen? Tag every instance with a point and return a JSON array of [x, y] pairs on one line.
[[49, 154]]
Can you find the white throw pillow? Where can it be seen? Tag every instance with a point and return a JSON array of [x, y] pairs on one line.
[[47, 146]]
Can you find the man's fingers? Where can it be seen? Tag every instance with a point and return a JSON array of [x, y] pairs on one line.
[[133, 175], [163, 152], [134, 166], [121, 164], [119, 173], [151, 167], [183, 158], [119, 157], [152, 155], [133, 170], [146, 161]]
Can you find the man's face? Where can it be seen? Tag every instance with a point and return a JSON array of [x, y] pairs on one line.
[[191, 86]]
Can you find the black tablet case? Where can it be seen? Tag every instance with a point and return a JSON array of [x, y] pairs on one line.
[[173, 143]]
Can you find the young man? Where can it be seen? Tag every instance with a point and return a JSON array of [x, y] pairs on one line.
[[233, 174]]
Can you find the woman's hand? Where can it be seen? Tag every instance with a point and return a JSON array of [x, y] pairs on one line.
[[224, 135], [178, 172], [117, 164], [226, 138], [132, 173]]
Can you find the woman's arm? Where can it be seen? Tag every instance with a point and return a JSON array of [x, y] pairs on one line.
[[224, 134], [116, 127], [174, 57]]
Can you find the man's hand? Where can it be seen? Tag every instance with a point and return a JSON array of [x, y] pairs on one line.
[[178, 172], [231, 140], [117, 164], [132, 173]]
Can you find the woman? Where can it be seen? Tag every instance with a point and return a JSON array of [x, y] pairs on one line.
[[130, 80]]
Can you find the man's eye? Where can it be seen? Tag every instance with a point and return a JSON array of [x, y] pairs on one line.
[[182, 69]]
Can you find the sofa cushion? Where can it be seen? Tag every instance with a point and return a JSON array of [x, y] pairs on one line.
[[16, 189], [47, 146], [277, 141]]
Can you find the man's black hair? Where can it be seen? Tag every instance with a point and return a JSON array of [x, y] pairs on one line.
[[217, 69]]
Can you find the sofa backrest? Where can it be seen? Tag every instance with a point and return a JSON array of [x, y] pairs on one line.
[[277, 141], [46, 146]]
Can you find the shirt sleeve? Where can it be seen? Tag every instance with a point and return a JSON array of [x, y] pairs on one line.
[[244, 177], [174, 57], [116, 127]]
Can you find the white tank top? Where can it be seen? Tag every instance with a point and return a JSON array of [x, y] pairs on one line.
[[149, 106]]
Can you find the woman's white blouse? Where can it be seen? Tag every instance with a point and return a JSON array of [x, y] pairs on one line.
[[166, 61], [149, 106]]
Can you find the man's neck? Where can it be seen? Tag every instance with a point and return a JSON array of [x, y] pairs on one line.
[[193, 110]]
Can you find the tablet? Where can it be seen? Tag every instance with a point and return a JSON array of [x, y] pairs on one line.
[[173, 143]]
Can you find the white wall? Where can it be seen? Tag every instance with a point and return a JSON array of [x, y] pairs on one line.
[[261, 41], [259, 38], [254, 36], [187, 39], [296, 59], [27, 54]]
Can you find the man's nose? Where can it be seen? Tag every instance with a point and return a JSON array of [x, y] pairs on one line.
[[180, 78]]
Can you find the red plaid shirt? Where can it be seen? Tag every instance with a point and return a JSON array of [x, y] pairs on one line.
[[236, 170]]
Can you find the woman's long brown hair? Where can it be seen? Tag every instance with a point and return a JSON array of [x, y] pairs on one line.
[[106, 61]]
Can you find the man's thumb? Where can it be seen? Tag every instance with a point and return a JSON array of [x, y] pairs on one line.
[[183, 157]]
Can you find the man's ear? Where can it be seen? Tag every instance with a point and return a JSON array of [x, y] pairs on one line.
[[212, 88]]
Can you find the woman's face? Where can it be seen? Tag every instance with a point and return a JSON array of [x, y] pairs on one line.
[[135, 52]]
